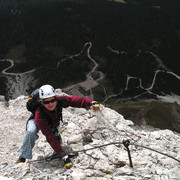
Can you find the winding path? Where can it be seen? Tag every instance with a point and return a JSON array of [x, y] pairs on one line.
[[12, 64], [89, 83], [163, 69], [17, 83]]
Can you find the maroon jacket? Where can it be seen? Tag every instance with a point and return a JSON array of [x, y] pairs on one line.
[[46, 120]]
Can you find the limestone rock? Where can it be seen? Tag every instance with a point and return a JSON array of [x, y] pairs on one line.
[[84, 130]]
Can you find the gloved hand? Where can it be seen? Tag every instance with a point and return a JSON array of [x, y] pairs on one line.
[[95, 105], [67, 162]]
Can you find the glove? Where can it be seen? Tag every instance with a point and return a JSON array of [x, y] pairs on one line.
[[95, 105], [67, 162]]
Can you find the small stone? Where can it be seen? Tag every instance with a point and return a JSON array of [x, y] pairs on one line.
[[78, 175]]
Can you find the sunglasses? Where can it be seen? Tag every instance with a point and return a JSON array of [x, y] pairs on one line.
[[51, 101]]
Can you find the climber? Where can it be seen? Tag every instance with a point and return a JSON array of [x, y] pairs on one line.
[[47, 118]]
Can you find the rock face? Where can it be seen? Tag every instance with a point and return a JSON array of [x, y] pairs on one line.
[[83, 129], [164, 115]]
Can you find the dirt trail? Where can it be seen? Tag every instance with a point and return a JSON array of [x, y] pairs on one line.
[[89, 83]]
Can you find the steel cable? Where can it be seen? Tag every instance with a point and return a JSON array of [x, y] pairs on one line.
[[103, 145]]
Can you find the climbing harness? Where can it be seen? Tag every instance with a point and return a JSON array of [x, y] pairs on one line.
[[126, 143]]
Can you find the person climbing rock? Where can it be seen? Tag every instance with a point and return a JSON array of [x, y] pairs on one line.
[[46, 108]]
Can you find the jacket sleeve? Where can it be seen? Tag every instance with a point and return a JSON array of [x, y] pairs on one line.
[[77, 102], [42, 124]]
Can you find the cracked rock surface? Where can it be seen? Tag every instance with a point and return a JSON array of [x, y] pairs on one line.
[[83, 129]]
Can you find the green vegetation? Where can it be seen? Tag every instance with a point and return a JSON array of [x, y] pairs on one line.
[[39, 34], [120, 1], [152, 113]]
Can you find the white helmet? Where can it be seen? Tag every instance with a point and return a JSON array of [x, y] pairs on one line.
[[46, 91]]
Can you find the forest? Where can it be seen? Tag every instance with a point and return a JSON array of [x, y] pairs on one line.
[[38, 34]]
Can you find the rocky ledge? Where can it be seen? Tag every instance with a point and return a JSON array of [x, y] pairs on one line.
[[83, 129]]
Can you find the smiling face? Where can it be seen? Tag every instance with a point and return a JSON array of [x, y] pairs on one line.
[[49, 103]]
